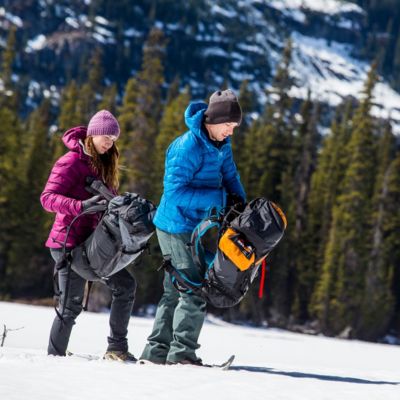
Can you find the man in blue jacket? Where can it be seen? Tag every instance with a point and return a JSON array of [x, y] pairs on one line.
[[199, 175]]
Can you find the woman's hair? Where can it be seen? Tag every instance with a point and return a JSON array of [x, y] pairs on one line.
[[106, 165]]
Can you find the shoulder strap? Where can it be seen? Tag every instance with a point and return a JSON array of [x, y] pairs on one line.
[[89, 288], [195, 241], [181, 282]]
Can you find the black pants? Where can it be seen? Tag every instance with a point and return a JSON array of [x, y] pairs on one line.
[[123, 287]]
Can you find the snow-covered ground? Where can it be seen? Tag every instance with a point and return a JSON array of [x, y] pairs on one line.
[[270, 364]]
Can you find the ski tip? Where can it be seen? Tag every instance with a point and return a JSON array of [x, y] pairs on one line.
[[225, 366], [231, 358]]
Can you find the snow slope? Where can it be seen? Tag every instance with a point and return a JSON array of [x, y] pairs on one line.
[[331, 74], [270, 364]]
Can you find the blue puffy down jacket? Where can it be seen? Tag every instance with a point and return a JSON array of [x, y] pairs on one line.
[[197, 176]]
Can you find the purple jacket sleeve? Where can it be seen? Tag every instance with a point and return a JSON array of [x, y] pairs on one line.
[[63, 177]]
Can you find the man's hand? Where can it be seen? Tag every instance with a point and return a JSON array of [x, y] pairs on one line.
[[233, 199]]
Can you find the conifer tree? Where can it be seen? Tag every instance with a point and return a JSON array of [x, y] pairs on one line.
[[326, 185], [173, 90], [276, 182], [109, 100], [90, 93], [305, 144], [268, 172], [378, 300], [69, 117], [28, 260], [305, 151], [268, 142], [340, 290], [323, 189], [9, 97], [255, 158], [125, 119], [391, 235], [11, 155], [96, 72], [171, 126], [248, 104], [8, 57], [10, 177], [147, 108], [278, 128], [396, 63]]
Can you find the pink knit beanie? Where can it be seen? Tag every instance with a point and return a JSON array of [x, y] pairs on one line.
[[103, 123]]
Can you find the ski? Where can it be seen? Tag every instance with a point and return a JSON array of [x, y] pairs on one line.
[[89, 357], [225, 365], [93, 357]]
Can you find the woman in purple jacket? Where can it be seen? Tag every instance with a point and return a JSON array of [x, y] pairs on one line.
[[92, 153]]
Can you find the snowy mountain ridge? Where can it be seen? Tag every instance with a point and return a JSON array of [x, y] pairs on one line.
[[209, 44]]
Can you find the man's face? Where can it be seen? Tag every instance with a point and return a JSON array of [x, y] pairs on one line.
[[220, 132]]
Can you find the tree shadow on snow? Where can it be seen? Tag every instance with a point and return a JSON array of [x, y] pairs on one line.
[[295, 374]]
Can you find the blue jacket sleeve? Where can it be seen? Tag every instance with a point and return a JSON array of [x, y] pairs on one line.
[[231, 178]]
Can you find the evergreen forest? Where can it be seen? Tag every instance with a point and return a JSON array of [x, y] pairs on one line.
[[337, 270]]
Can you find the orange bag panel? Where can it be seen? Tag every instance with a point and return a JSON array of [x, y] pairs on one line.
[[237, 250]]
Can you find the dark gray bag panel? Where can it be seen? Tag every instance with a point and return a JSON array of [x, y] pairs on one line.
[[261, 224], [118, 240], [226, 285]]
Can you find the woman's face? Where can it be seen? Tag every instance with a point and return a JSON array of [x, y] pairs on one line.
[[103, 143]]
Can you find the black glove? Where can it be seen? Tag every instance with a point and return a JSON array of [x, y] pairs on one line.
[[233, 199], [93, 201]]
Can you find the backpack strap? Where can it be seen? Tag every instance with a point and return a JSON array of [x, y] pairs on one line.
[[262, 279], [96, 186], [66, 260], [195, 241], [181, 282], [90, 284]]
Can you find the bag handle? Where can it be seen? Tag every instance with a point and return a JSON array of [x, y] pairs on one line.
[[96, 186]]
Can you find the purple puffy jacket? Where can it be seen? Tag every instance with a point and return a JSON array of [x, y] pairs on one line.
[[65, 190]]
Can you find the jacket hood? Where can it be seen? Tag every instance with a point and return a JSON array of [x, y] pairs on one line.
[[194, 116], [72, 137]]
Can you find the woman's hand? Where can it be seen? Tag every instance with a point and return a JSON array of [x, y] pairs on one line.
[[93, 201]]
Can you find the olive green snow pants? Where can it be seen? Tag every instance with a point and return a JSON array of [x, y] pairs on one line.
[[179, 317]]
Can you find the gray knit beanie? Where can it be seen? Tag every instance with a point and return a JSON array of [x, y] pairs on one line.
[[223, 106]]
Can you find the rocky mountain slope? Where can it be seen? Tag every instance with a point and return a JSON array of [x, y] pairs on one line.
[[209, 43]]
